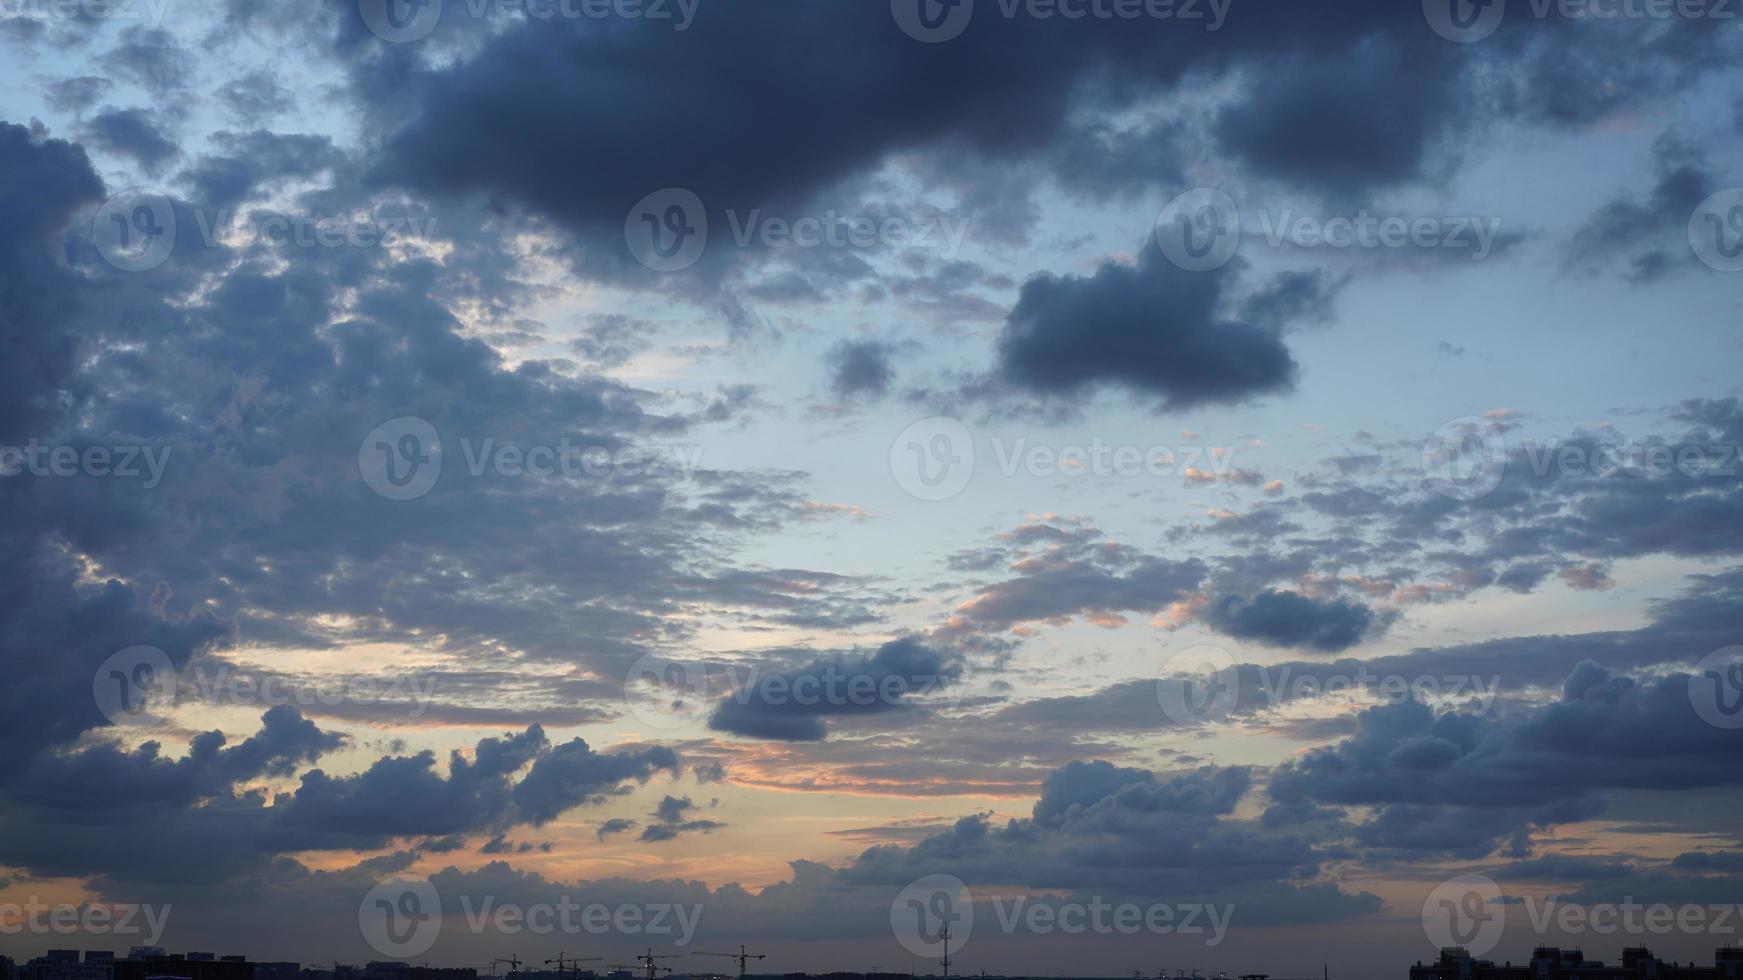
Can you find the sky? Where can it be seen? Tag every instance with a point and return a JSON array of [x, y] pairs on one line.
[[1077, 486]]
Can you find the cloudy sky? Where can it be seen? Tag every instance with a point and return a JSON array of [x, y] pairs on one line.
[[797, 472]]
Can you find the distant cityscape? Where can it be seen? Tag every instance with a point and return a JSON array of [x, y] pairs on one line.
[[1453, 963], [1554, 963]]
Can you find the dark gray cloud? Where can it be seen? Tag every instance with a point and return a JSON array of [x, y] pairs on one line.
[[672, 818], [255, 97], [78, 94], [132, 133], [243, 163], [1461, 783], [1119, 831], [859, 368], [797, 705], [1347, 125], [1290, 619], [1155, 330], [1647, 234], [152, 58]]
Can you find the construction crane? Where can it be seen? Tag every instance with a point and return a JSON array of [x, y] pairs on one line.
[[650, 963], [513, 965], [741, 956], [571, 962]]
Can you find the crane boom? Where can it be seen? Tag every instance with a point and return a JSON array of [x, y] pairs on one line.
[[741, 956]]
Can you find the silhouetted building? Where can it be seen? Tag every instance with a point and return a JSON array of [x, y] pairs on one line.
[[228, 968], [1554, 963], [378, 970], [63, 964], [277, 971]]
